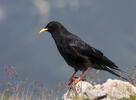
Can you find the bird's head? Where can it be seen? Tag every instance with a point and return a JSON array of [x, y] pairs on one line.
[[51, 27]]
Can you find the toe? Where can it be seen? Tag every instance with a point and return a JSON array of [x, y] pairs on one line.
[[77, 80]]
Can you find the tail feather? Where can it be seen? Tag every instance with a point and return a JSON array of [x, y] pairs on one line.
[[116, 68], [111, 65], [106, 61], [109, 70]]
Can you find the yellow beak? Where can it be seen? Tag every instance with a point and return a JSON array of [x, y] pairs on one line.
[[43, 30]]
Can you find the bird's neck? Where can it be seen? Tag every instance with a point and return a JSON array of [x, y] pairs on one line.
[[59, 34], [60, 37]]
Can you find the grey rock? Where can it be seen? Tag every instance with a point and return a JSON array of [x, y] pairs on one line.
[[110, 90]]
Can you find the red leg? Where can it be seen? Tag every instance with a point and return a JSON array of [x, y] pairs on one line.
[[71, 78], [80, 78]]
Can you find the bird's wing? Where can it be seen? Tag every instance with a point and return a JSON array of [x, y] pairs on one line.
[[83, 48]]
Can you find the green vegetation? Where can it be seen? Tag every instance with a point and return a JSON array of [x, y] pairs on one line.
[[131, 98], [81, 98]]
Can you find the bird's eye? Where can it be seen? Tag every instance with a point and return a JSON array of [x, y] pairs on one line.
[[54, 26]]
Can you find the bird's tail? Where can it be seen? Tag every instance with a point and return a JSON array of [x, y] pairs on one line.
[[112, 66], [121, 71], [109, 70]]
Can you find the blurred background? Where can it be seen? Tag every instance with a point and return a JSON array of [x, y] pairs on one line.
[[108, 25]]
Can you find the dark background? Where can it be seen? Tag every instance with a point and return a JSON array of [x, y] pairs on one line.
[[108, 25]]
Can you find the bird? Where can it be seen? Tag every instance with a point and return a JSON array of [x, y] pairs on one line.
[[78, 54]]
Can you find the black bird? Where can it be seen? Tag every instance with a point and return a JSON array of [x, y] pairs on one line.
[[77, 53]]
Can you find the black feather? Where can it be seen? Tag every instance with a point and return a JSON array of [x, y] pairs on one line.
[[77, 53]]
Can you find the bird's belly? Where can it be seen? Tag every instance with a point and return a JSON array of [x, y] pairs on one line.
[[72, 59], [77, 62]]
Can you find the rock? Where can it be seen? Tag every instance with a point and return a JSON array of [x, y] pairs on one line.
[[110, 90]]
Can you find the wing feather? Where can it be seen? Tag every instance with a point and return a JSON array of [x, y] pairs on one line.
[[94, 54], [86, 50]]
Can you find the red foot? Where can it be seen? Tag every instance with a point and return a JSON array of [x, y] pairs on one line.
[[75, 81]]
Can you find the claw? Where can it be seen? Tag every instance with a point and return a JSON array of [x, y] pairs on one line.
[[75, 81]]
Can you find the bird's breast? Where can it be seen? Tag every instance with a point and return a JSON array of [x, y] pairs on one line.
[[69, 55]]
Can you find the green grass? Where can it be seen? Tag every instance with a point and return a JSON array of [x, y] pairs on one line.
[[131, 98], [81, 98]]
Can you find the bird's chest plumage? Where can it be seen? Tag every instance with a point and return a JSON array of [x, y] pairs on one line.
[[67, 52], [77, 61]]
